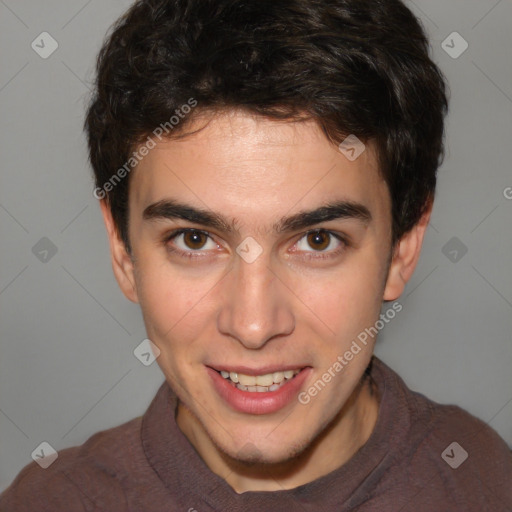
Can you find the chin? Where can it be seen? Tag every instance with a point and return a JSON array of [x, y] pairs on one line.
[[265, 451]]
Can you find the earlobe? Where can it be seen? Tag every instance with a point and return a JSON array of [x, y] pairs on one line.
[[405, 257], [122, 263]]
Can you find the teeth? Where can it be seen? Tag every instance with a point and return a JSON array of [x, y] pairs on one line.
[[265, 380], [259, 383], [246, 380], [277, 377]]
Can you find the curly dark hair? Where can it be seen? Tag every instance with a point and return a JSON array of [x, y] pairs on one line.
[[357, 67]]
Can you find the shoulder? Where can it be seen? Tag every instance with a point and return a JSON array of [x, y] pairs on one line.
[[88, 477], [462, 436], [455, 456]]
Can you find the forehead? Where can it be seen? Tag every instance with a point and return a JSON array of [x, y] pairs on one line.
[[237, 163]]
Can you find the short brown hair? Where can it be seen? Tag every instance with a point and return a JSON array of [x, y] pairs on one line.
[[357, 67]]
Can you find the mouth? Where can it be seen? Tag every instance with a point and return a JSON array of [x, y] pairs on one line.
[[267, 382], [262, 391]]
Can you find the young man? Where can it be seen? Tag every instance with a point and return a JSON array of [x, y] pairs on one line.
[[266, 172]]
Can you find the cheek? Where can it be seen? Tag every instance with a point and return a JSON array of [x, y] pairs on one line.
[[177, 304], [174, 321], [343, 303]]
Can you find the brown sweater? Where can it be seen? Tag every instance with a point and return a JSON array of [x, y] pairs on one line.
[[148, 465]]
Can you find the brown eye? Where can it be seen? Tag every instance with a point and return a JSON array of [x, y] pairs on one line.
[[195, 239], [319, 240]]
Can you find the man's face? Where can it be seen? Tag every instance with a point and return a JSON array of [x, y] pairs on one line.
[[286, 269]]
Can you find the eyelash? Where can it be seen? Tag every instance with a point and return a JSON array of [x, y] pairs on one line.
[[184, 254], [324, 255], [309, 255]]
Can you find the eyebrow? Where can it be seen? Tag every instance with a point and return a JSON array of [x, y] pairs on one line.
[[168, 209]]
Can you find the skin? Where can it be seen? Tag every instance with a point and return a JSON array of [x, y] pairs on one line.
[[298, 303]]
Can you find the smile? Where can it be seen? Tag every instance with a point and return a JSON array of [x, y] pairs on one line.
[[259, 393], [259, 383]]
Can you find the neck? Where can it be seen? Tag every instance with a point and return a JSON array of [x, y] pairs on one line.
[[336, 444]]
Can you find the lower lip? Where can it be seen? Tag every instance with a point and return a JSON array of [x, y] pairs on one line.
[[255, 402]]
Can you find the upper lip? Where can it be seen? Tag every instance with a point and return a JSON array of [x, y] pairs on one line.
[[262, 370]]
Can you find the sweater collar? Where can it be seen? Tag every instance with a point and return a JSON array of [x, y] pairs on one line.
[[183, 471]]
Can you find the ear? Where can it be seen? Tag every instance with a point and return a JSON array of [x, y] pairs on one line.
[[122, 263], [405, 257]]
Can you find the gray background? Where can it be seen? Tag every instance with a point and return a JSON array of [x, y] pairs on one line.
[[67, 368]]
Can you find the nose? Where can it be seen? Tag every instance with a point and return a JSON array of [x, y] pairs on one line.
[[255, 307]]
